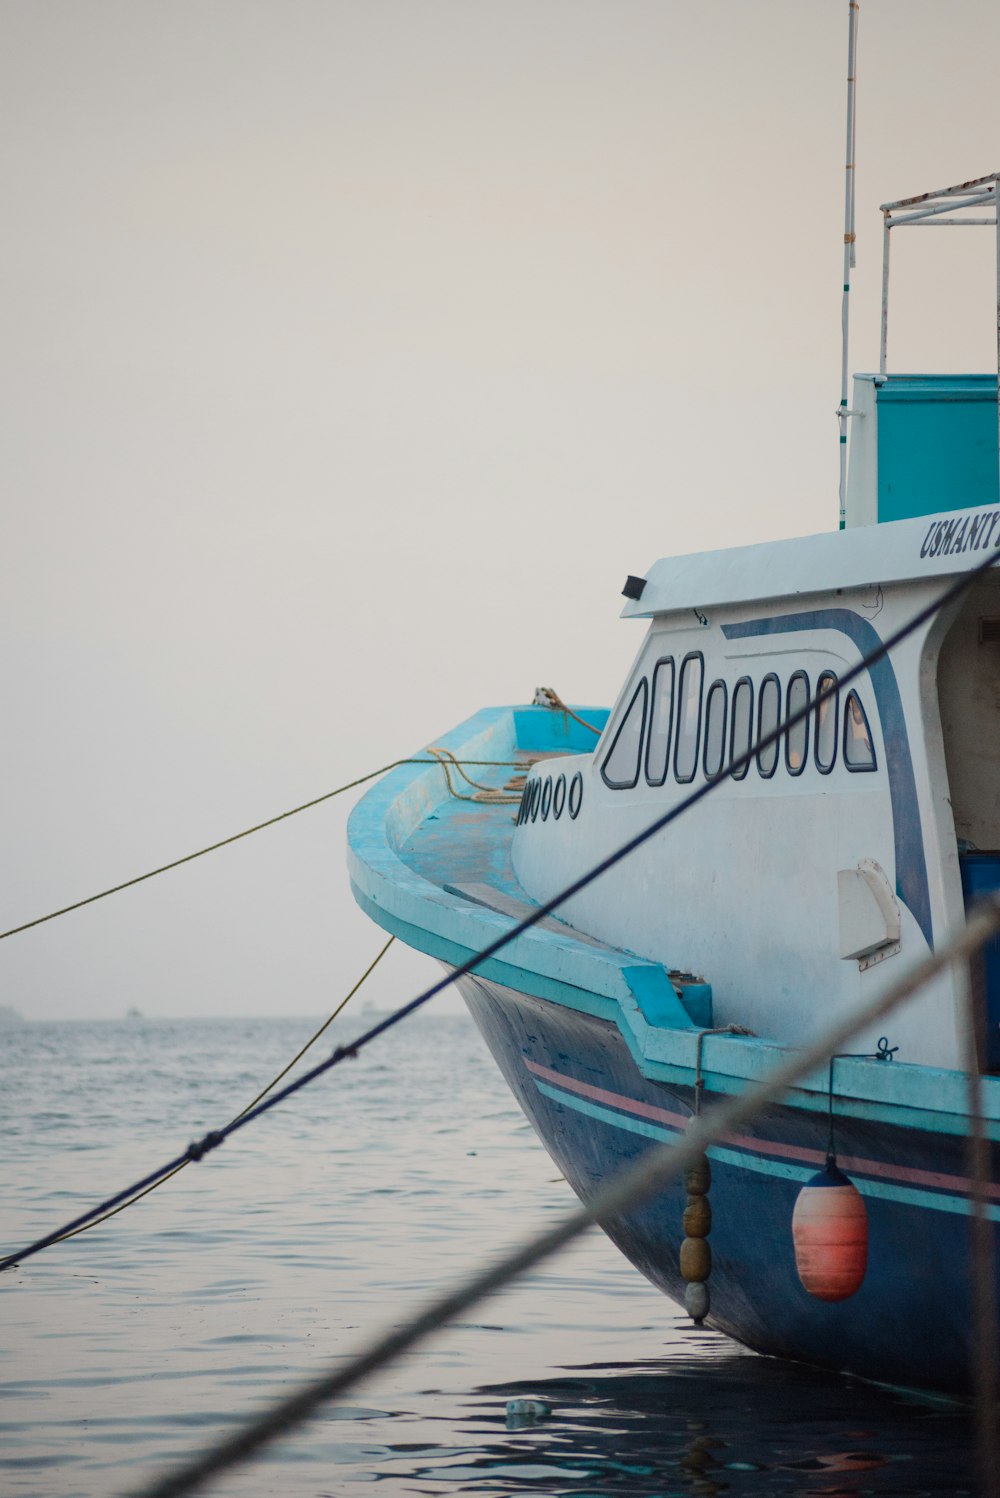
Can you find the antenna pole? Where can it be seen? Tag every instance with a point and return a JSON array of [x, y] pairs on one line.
[[996, 212], [849, 260]]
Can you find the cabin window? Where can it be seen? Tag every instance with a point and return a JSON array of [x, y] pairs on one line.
[[621, 767], [715, 728], [768, 713], [859, 751], [741, 733], [689, 717], [660, 722], [825, 748], [797, 735]]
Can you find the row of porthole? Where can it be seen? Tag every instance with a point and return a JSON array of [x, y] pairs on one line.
[[548, 797]]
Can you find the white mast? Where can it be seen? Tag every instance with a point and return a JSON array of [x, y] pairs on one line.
[[849, 261]]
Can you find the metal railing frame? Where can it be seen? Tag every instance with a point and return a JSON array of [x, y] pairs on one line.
[[945, 207]]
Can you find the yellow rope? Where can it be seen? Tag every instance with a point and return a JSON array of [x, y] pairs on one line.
[[259, 827], [269, 1088], [447, 775], [446, 757], [488, 795], [442, 757]]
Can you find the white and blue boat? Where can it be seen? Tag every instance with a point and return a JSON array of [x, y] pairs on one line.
[[803, 885]]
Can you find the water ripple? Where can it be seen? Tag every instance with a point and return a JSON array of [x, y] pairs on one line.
[[139, 1342]]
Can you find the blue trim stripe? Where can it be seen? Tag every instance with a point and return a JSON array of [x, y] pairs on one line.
[[608, 1115], [911, 867], [907, 1195]]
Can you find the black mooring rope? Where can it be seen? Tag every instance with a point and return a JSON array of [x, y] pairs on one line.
[[213, 1139], [130, 1201], [662, 1162]]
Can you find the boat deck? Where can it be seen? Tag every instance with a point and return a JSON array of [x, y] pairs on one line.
[[435, 870], [433, 864], [464, 847]]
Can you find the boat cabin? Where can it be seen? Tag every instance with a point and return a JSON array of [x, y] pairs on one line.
[[864, 831]]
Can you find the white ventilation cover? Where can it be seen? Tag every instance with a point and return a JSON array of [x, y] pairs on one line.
[[869, 914]]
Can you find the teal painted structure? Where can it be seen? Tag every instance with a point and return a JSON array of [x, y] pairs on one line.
[[411, 846], [937, 443]]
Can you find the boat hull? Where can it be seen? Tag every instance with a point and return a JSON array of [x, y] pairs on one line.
[[907, 1324]]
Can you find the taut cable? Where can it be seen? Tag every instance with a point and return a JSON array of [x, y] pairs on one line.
[[197, 1150], [96, 1221], [248, 832], [661, 1164]]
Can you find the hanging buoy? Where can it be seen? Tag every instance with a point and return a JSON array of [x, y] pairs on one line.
[[830, 1233], [696, 1255]]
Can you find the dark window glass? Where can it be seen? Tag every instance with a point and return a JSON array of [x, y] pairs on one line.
[[689, 717], [715, 728], [741, 734], [621, 767], [825, 748], [859, 751], [797, 736], [660, 722], [559, 797], [768, 710]]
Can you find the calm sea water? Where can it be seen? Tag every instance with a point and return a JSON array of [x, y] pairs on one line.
[[141, 1341]]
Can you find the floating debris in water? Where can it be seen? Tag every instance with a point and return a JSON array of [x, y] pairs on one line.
[[522, 1413]]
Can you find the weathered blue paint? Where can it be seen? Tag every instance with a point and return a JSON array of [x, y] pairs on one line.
[[937, 444], [495, 968], [541, 731], [658, 1001], [933, 1201], [909, 1321], [399, 880], [911, 864], [602, 1056]]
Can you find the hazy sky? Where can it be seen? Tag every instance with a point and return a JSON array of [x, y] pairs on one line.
[[352, 354]]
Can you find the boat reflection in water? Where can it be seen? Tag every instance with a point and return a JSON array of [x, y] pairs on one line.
[[701, 1425]]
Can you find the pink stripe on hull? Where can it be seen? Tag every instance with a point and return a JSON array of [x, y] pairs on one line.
[[910, 1174], [613, 1099]]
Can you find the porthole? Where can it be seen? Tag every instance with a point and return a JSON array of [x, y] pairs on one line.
[[797, 734], [575, 795], [715, 728], [536, 796], [559, 797], [859, 751], [522, 810], [689, 716], [620, 769], [546, 797], [741, 732], [661, 721], [768, 714], [827, 716]]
